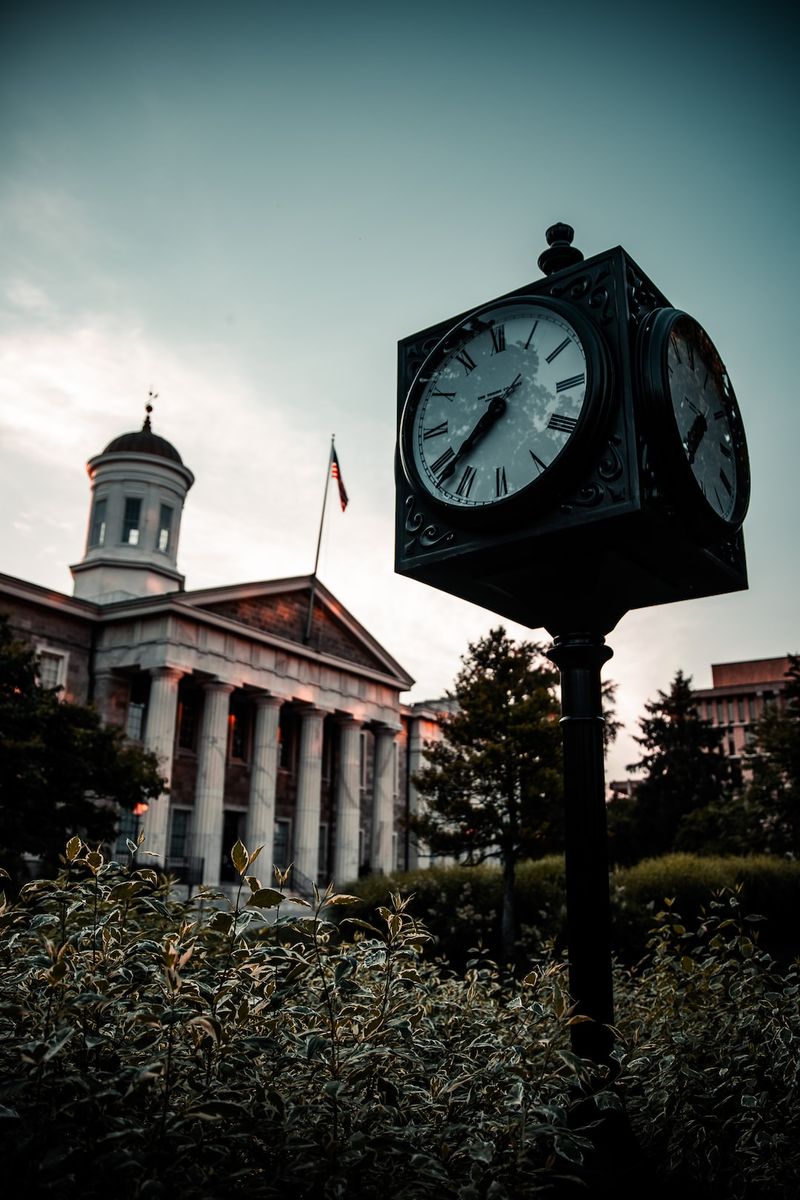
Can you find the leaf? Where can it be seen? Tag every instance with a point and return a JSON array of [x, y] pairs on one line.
[[73, 848], [209, 1109], [254, 855], [240, 858], [266, 898], [342, 898], [363, 925]]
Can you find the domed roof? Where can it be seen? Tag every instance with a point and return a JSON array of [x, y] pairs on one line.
[[143, 441]]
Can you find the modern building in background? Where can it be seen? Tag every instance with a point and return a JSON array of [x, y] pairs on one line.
[[284, 735], [736, 701], [739, 694]]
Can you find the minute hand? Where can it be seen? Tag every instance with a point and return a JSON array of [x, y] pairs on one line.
[[497, 407]]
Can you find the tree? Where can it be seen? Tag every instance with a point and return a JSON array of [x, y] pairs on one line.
[[774, 794], [493, 783], [684, 771], [61, 771]]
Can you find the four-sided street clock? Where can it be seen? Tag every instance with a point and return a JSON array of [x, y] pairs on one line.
[[570, 450]]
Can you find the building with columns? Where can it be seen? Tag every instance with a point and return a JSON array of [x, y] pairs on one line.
[[285, 737]]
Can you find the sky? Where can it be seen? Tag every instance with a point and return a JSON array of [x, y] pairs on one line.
[[244, 207]]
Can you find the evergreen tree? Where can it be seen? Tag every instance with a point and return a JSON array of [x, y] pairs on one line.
[[61, 771], [684, 769], [493, 783], [774, 794]]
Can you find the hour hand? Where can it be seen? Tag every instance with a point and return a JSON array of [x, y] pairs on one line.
[[496, 408]]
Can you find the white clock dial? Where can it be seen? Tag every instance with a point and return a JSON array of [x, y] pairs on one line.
[[499, 407]]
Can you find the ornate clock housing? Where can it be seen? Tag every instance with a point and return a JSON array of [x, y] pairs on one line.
[[551, 468], [694, 423], [504, 407]]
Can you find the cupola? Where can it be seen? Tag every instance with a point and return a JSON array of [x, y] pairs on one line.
[[139, 484]]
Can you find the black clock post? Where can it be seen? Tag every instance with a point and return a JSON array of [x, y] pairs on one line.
[[567, 452]]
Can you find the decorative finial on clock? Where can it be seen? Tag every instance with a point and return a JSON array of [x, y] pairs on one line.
[[560, 252], [148, 408]]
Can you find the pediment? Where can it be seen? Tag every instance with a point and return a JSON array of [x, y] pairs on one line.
[[279, 608]]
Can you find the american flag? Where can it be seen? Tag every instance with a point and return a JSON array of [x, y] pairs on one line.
[[336, 474]]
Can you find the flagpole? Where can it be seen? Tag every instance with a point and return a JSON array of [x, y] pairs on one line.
[[309, 619]]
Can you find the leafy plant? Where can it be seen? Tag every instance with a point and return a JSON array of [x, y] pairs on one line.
[[225, 1046]]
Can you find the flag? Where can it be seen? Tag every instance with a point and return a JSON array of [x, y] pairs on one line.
[[337, 475]]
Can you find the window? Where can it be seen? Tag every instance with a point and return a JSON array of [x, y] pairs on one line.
[[164, 527], [752, 707], [730, 712], [740, 706], [287, 742], [187, 722], [97, 531], [281, 844], [179, 832], [134, 726], [130, 521], [239, 733], [52, 669], [363, 761], [127, 827], [720, 713], [322, 855]]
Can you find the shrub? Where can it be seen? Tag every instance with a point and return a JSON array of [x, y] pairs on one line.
[[712, 1071], [767, 885], [156, 1048], [460, 905]]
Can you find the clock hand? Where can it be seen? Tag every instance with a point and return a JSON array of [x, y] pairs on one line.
[[697, 432], [497, 406]]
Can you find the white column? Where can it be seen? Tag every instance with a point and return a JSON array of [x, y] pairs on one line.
[[383, 800], [159, 736], [345, 860], [309, 783], [263, 778], [210, 787], [417, 849]]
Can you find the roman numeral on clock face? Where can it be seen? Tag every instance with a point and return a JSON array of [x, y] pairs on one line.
[[465, 483], [500, 484], [563, 384], [466, 361], [555, 353], [541, 465], [498, 333], [446, 395], [435, 430], [562, 424], [443, 460]]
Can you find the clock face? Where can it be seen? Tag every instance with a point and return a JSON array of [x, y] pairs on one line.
[[697, 435], [701, 401], [497, 406]]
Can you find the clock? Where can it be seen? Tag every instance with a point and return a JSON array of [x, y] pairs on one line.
[[695, 427], [504, 407]]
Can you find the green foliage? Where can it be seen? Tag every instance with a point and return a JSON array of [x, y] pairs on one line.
[[248, 1047], [712, 1070], [684, 771], [773, 799], [223, 1048], [492, 785], [61, 771], [459, 904]]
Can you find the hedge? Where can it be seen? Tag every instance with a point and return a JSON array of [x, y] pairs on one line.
[[460, 905]]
